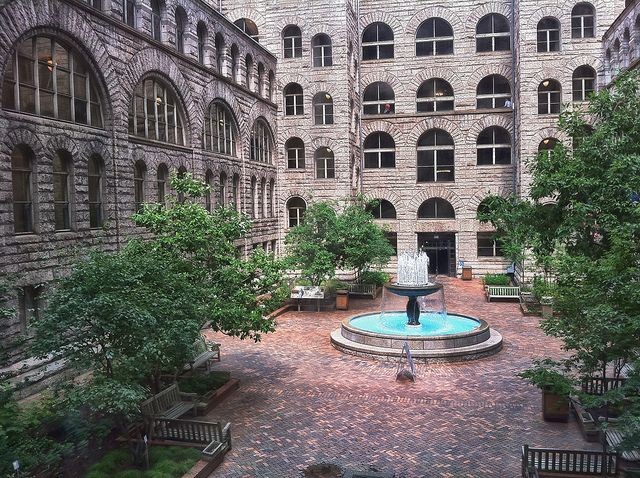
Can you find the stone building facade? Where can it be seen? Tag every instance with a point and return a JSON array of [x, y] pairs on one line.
[[436, 105], [100, 103]]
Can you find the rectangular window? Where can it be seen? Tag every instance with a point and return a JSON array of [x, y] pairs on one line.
[[489, 245], [29, 306], [392, 237]]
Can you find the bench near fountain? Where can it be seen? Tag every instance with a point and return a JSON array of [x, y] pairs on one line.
[[432, 335]]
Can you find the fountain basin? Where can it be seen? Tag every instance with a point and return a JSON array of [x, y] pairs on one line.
[[433, 341]]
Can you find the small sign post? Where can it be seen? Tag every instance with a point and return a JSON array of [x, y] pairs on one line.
[[404, 373]]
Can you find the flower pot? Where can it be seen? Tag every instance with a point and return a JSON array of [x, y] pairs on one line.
[[555, 408]]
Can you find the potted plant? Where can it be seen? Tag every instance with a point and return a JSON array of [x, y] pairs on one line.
[[556, 388]]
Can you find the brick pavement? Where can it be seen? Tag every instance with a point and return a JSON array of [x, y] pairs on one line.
[[302, 402]]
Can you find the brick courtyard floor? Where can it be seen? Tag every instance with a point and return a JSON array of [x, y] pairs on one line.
[[302, 402]]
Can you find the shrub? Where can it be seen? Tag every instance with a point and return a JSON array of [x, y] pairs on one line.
[[496, 279], [542, 288], [331, 285], [164, 462], [202, 384], [378, 278]]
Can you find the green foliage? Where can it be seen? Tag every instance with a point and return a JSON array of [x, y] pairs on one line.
[[327, 240], [548, 375], [332, 285], [164, 462], [496, 279], [582, 225], [543, 288], [228, 287], [205, 383], [379, 278]]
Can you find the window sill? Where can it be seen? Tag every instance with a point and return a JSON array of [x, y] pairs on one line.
[[159, 144]]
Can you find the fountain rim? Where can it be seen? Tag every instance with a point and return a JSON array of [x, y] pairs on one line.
[[390, 286], [483, 325]]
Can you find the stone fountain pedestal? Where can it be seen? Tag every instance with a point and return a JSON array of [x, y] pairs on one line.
[[413, 292]]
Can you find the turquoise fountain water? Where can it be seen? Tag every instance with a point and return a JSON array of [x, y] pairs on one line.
[[431, 324]]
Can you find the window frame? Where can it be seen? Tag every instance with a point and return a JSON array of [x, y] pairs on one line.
[[322, 53], [378, 46], [220, 130], [261, 140], [322, 109], [23, 176], [297, 159], [324, 160], [96, 200], [434, 41], [494, 36], [439, 103], [292, 42], [546, 42], [496, 249], [293, 102], [438, 203], [579, 23], [494, 147], [139, 179], [549, 100], [436, 159], [582, 81], [63, 177], [493, 96], [378, 103], [377, 153], [299, 209]]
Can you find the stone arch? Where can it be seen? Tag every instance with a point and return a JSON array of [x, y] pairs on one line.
[[151, 60], [389, 195], [329, 29], [446, 74], [21, 135], [300, 22], [554, 11], [324, 142], [490, 7], [382, 17], [284, 80], [435, 11], [480, 195], [219, 90], [62, 142], [386, 127], [430, 192], [251, 13], [487, 70], [385, 77], [487, 121], [435, 122], [62, 21]]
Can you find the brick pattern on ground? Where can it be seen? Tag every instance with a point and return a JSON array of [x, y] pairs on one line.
[[302, 402]]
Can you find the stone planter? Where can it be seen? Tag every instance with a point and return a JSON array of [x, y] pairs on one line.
[[555, 408]]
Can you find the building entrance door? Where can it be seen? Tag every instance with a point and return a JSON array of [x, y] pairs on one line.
[[441, 249]]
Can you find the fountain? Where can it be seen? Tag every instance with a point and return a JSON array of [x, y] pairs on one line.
[[440, 336]]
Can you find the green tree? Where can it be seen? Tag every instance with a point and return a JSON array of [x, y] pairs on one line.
[[313, 247], [582, 223], [362, 242]]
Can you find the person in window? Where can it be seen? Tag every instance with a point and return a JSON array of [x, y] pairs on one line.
[[508, 104], [387, 108]]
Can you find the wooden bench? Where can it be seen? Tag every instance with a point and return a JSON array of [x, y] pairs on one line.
[[549, 462], [585, 420], [363, 290], [169, 403], [614, 438], [206, 352], [502, 292]]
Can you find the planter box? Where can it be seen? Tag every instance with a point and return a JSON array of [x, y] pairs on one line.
[[342, 299], [555, 408], [209, 400]]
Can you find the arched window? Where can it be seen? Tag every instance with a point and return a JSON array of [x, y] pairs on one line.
[[254, 197], [181, 26], [323, 108], [547, 146], [492, 33], [220, 131], [379, 151], [219, 44], [584, 82], [272, 198], [292, 41], [62, 189], [494, 91], [22, 181], [582, 21], [382, 209], [434, 37], [295, 153], [435, 94], [494, 146], [139, 178], [202, 42], [260, 79], [261, 142], [436, 208], [156, 19], [235, 192], [548, 35], [378, 99], [435, 157], [182, 172], [234, 63], [222, 200], [325, 164], [377, 42], [272, 80], [293, 100], [129, 13], [248, 62], [549, 96], [248, 27], [295, 209], [263, 198], [321, 50], [155, 112], [97, 4], [208, 180], [162, 180], [48, 78], [95, 176]]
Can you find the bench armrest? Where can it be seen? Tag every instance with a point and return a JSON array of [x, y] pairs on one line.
[[188, 397]]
